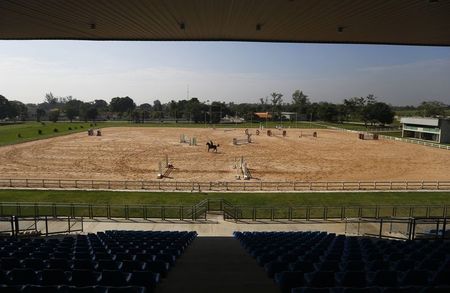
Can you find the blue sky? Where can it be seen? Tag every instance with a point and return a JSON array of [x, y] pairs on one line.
[[230, 71]]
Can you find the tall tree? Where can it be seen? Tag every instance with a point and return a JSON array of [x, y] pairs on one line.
[[92, 113], [5, 107], [432, 109], [53, 115], [40, 113], [122, 105], [276, 100], [300, 102]]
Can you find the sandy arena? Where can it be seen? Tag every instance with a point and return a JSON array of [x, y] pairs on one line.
[[134, 153]]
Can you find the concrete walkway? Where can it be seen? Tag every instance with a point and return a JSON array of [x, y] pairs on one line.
[[216, 264], [214, 226]]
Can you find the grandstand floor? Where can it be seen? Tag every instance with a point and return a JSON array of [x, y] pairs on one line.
[[215, 225], [217, 264]]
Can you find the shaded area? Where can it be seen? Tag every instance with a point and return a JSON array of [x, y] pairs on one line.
[[216, 264]]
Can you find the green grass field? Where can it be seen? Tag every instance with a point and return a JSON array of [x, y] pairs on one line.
[[245, 205], [9, 134], [253, 199]]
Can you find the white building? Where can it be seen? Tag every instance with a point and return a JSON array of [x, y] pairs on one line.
[[433, 129]]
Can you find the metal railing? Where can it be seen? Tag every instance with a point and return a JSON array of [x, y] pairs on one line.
[[230, 211], [225, 186], [405, 228], [36, 225]]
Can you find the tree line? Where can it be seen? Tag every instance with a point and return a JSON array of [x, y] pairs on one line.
[[299, 107]]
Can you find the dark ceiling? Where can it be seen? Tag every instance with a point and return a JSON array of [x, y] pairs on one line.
[[413, 22]]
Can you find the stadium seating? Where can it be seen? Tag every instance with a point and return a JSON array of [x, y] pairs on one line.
[[106, 262], [322, 262]]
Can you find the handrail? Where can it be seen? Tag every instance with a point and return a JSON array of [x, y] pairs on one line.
[[230, 211]]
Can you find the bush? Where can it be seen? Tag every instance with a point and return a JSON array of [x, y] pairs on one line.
[[91, 125], [81, 126], [55, 130], [75, 127], [70, 128], [19, 135], [39, 132], [42, 123]]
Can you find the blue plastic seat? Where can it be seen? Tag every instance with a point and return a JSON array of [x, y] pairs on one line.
[[288, 280], [354, 279], [40, 289], [53, 277], [144, 279], [114, 278], [160, 267], [127, 289], [320, 279], [23, 277], [82, 278], [416, 278]]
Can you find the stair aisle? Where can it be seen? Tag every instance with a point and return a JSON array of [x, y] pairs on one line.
[[216, 264]]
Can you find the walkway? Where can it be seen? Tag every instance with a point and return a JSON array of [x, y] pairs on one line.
[[216, 264]]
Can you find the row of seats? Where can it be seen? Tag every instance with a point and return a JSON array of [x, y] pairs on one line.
[[318, 260], [157, 264], [71, 289], [79, 278], [106, 259]]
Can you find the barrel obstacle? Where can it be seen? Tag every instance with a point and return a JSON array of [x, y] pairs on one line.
[[91, 132], [164, 167], [242, 169], [368, 136], [237, 141], [185, 139]]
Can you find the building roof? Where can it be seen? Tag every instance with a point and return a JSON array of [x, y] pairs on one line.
[[415, 22], [420, 121], [264, 115]]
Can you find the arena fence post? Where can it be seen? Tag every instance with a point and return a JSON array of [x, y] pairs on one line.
[[43, 183], [10, 182], [68, 224], [26, 182]]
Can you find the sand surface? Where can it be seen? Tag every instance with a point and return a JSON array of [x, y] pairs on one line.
[[134, 153]]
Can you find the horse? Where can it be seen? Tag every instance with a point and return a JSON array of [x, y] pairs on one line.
[[212, 146]]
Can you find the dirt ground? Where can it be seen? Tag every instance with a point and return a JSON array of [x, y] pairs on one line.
[[134, 153]]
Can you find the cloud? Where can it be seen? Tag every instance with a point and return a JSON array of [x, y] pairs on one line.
[[28, 79]]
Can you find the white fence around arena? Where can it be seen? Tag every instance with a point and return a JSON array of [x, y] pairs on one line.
[[387, 137], [162, 185]]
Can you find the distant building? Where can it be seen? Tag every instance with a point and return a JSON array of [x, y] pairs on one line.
[[263, 115], [432, 129], [289, 115]]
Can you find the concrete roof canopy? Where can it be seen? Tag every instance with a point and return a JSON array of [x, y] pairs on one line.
[[411, 22]]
